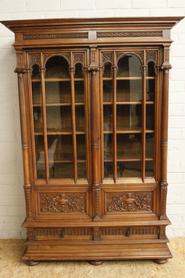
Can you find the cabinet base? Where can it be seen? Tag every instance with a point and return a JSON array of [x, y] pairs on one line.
[[94, 252]]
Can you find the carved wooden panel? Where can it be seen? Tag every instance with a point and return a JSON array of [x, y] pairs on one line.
[[132, 201], [128, 231], [35, 58], [151, 55], [62, 202], [129, 34], [79, 35], [107, 57], [78, 58]]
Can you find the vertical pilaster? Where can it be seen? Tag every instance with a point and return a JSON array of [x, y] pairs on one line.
[[164, 131], [95, 133], [21, 70]]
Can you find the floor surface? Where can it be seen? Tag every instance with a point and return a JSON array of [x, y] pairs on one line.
[[12, 267]]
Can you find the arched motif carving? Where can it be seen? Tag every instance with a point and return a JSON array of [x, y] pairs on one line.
[[65, 55], [35, 59], [78, 58], [107, 57], [151, 56], [138, 54]]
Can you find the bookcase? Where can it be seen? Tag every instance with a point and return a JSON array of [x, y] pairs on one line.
[[93, 97]]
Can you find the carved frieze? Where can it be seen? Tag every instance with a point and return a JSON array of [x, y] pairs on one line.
[[72, 35], [62, 202], [127, 231], [133, 201], [129, 34]]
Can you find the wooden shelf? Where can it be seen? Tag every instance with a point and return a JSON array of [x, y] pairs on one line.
[[127, 102], [59, 104], [60, 133], [128, 159], [61, 161], [57, 79], [128, 78], [127, 131]]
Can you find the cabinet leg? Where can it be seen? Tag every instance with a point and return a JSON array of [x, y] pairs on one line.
[[161, 261], [95, 262], [31, 263]]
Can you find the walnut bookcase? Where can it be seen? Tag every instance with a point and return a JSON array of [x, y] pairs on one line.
[[94, 117]]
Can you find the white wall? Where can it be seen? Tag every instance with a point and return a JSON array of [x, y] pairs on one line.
[[11, 176]]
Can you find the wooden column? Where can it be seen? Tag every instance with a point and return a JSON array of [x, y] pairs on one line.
[[95, 134], [164, 131], [75, 167], [21, 70], [144, 73]]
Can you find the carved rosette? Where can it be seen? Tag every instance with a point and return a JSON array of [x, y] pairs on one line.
[[124, 202], [62, 202]]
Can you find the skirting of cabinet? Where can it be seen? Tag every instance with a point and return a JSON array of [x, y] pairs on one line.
[[55, 251]]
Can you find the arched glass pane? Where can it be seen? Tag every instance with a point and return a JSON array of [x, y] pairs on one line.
[[79, 71], [59, 118], [107, 70], [129, 116], [38, 121], [129, 79], [129, 66]]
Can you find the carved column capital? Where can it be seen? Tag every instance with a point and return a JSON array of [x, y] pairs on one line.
[[20, 71], [166, 66]]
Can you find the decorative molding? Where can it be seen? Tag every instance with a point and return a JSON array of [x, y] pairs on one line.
[[35, 59], [151, 55], [128, 231], [132, 201], [129, 34], [75, 35], [62, 202], [107, 57], [66, 55], [139, 54], [78, 58]]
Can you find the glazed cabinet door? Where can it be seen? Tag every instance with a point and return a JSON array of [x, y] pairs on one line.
[[60, 134], [129, 132]]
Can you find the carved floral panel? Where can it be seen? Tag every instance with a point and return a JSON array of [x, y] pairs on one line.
[[62, 202], [132, 201]]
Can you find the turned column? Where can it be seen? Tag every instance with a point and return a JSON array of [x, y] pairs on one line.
[[164, 131], [95, 134], [21, 71]]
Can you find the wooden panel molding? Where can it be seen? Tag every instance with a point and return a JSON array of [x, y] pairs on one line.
[[132, 201], [62, 202]]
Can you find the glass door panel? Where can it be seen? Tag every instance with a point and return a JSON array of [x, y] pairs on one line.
[[150, 120], [66, 119], [128, 116], [38, 122], [108, 119], [80, 120]]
